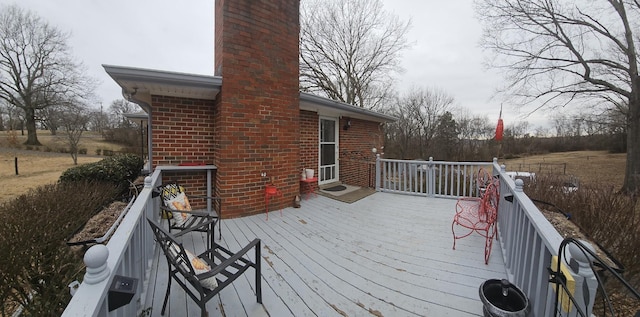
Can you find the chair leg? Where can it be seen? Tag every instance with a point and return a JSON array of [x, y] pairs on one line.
[[203, 310], [258, 269], [166, 296]]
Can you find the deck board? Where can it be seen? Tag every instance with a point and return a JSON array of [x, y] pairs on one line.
[[384, 255]]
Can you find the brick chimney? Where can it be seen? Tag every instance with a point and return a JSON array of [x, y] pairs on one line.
[[257, 113]]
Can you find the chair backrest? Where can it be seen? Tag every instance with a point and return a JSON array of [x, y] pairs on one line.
[[172, 249], [184, 261], [175, 198], [489, 203], [483, 179]]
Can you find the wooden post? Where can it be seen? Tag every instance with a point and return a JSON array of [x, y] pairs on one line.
[[15, 162]]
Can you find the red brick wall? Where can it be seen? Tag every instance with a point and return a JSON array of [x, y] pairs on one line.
[[194, 182], [309, 137], [257, 124], [183, 133], [182, 130], [357, 161]]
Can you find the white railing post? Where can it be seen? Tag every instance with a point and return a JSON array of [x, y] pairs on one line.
[[431, 178], [586, 283], [96, 261], [378, 172]]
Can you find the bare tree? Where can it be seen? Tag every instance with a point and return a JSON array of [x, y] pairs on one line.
[[118, 109], [36, 68], [400, 135], [350, 49], [559, 52], [74, 118], [51, 117], [427, 106], [475, 131], [419, 111]]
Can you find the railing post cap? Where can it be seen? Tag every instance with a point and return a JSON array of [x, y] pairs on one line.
[[430, 158], [96, 261], [519, 185], [495, 160], [147, 181]]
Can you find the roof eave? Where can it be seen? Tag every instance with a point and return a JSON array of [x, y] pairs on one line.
[[320, 104]]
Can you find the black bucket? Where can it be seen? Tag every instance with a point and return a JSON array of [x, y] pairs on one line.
[[501, 299]]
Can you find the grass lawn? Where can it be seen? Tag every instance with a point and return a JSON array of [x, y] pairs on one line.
[[41, 165], [588, 166]]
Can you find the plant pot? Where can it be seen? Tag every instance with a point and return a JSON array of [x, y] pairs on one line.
[[501, 299], [309, 173]]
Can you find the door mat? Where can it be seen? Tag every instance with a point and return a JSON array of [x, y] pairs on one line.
[[350, 196], [336, 188]]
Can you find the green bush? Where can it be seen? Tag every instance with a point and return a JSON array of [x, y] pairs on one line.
[[36, 264], [82, 151], [118, 169]]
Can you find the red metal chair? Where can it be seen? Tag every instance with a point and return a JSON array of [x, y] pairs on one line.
[[271, 191], [483, 179], [478, 215]]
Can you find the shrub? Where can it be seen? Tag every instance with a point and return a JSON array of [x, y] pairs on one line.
[[36, 265], [604, 214], [98, 151], [82, 151], [119, 170]]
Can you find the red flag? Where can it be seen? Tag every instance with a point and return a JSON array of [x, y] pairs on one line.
[[499, 127]]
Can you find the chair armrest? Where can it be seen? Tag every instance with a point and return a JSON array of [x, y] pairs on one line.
[[198, 213], [231, 260], [201, 225]]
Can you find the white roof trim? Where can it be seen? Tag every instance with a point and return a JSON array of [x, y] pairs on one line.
[[146, 82]]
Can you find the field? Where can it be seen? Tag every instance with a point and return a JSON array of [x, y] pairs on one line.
[[587, 166], [41, 165]]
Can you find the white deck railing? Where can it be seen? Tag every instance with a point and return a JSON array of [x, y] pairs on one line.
[[129, 253], [428, 178], [527, 239]]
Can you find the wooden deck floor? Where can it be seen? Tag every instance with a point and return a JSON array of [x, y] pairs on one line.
[[384, 255]]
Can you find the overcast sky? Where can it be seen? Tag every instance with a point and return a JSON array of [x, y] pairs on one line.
[[178, 36]]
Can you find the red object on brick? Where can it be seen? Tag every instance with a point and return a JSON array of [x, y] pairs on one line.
[[269, 192], [308, 186]]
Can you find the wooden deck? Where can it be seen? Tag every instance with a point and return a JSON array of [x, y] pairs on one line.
[[384, 255]]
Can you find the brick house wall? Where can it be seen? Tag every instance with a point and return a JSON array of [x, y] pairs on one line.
[[183, 133], [309, 135], [357, 161], [257, 113], [182, 130]]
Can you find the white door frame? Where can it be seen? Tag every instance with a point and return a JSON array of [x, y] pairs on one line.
[[328, 170]]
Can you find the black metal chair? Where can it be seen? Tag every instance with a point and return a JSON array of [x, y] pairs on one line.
[[205, 275], [177, 209]]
